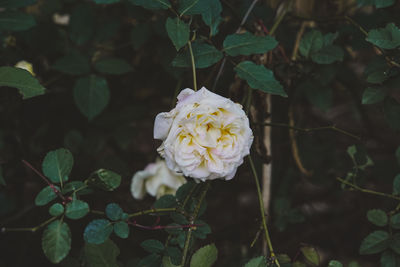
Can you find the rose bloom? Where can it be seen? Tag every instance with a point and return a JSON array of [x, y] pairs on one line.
[[205, 136], [157, 180]]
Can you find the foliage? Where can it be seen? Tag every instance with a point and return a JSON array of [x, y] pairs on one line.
[[325, 75]]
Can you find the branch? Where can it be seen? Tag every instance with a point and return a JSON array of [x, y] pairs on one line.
[[332, 127], [356, 187]]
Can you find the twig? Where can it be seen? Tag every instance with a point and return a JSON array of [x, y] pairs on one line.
[[149, 211], [264, 222], [332, 127], [30, 229], [295, 148], [193, 66], [356, 187], [194, 216]]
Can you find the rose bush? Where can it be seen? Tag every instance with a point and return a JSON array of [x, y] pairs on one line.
[[205, 136], [157, 180]]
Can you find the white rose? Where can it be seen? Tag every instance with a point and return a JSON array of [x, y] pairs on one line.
[[205, 136], [157, 180]]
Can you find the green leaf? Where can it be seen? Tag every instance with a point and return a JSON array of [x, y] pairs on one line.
[[178, 31], [45, 196], [175, 254], [311, 255], [121, 229], [248, 44], [377, 77], [192, 7], [354, 264], [390, 259], [395, 221], [81, 24], [57, 165], [16, 3], [372, 95], [152, 4], [2, 181], [204, 55], [204, 257], [21, 79], [334, 263], [11, 20], [56, 241], [166, 201], [396, 185], [114, 211], [56, 209], [73, 64], [258, 77], [105, 179], [375, 242], [76, 209], [184, 190], [384, 3], [112, 65], [152, 260], [91, 95], [328, 55], [72, 186], [212, 15], [106, 2], [377, 217], [311, 43], [166, 262], [97, 231], [257, 262], [102, 255], [387, 38], [395, 243], [391, 109], [152, 246]]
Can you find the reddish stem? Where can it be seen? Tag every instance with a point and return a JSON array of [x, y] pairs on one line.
[[279, 46], [56, 191]]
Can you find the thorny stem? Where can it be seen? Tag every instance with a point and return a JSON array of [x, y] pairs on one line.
[[194, 216], [332, 127], [356, 187], [264, 222], [144, 212], [193, 66], [56, 191], [30, 229]]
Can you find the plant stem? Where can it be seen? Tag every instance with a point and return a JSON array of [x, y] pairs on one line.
[[56, 191], [144, 212], [193, 66], [194, 216], [277, 22], [264, 222], [332, 127], [356, 187], [29, 229]]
